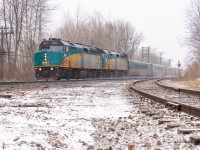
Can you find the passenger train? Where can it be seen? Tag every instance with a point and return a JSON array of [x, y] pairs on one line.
[[59, 59]]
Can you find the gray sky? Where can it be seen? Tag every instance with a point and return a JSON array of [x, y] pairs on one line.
[[162, 22]]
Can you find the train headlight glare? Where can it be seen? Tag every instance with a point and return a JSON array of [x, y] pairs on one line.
[[51, 68], [40, 69]]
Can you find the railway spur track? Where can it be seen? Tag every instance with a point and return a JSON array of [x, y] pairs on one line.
[[184, 100]]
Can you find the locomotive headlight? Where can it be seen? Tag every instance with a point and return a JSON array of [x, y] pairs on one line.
[[40, 69], [45, 57], [51, 68]]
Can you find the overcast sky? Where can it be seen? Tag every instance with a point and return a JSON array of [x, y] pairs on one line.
[[162, 22]]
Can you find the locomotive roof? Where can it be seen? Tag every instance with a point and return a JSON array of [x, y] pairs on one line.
[[92, 48], [87, 47], [68, 43]]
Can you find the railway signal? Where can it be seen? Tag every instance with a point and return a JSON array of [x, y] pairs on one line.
[[179, 68], [179, 64]]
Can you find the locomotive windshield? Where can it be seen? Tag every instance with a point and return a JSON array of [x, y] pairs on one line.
[[57, 48], [51, 45]]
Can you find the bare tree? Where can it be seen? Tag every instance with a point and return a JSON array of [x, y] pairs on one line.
[[95, 30], [7, 21], [193, 30], [27, 18], [135, 42]]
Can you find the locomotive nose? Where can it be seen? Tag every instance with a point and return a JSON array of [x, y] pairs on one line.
[[48, 58]]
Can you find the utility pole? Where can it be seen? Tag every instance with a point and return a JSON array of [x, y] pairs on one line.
[[1, 55], [92, 42], [145, 53], [170, 60], [2, 51], [160, 54]]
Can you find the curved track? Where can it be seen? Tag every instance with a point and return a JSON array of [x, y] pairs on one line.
[[21, 85], [71, 80], [187, 91], [175, 98]]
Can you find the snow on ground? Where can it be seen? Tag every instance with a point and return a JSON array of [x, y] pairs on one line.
[[89, 116], [65, 119]]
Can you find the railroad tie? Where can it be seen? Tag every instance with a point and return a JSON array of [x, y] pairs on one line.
[[5, 96], [166, 121], [135, 102], [187, 131], [195, 139], [172, 125], [173, 106], [143, 108], [141, 105], [152, 113], [156, 117], [145, 111]]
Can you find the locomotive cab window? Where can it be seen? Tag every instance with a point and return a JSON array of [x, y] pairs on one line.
[[54, 43], [107, 56], [66, 49], [56, 48]]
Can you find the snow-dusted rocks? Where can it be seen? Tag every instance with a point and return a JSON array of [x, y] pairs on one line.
[[94, 115]]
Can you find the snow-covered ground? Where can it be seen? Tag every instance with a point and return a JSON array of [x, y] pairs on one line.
[[89, 116]]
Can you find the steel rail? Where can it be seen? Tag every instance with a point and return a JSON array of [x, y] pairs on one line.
[[182, 107], [71, 80]]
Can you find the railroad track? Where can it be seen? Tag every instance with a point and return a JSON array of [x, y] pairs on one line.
[[71, 81], [7, 86], [184, 100]]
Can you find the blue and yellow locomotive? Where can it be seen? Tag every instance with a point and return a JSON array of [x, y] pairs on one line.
[[58, 59]]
